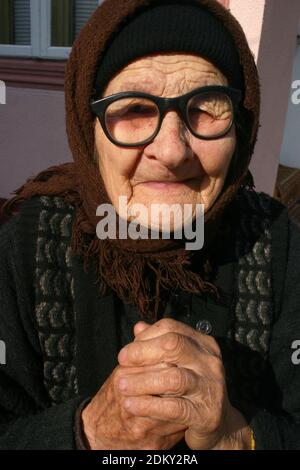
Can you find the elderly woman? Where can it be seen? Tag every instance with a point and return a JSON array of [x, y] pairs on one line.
[[128, 342]]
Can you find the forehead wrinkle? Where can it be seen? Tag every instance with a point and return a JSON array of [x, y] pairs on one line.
[[182, 86], [160, 67], [137, 86], [146, 76]]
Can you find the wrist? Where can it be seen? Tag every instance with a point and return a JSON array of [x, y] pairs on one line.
[[238, 435], [91, 429], [88, 428], [81, 440]]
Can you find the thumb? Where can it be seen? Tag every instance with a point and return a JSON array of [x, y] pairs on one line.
[[139, 327]]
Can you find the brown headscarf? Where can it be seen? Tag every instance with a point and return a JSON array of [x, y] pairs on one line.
[[143, 271]]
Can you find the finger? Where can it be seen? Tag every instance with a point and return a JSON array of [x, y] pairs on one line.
[[172, 381], [156, 426], [140, 327], [167, 325], [171, 348], [176, 410], [131, 370]]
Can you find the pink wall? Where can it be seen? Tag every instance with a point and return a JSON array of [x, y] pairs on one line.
[[32, 130], [290, 151], [36, 117], [271, 29], [224, 2], [33, 137]]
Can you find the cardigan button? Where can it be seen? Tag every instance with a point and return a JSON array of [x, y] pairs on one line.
[[204, 326]]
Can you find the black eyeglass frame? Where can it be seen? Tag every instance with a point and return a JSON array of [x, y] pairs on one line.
[[164, 105]]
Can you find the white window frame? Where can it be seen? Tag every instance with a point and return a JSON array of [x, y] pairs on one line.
[[46, 50], [40, 17]]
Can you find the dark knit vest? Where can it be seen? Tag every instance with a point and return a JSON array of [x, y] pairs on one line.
[[252, 308]]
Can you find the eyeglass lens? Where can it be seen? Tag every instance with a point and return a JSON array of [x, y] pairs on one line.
[[136, 119]]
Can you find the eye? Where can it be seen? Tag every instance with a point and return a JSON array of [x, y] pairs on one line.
[[201, 112], [197, 110], [141, 109], [131, 108]]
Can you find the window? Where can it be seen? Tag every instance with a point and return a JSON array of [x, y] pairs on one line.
[[42, 28]]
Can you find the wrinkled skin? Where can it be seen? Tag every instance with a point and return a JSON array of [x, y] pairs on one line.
[[170, 384], [109, 425], [199, 167], [174, 374]]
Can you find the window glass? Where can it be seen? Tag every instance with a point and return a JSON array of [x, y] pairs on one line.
[[15, 22], [67, 19]]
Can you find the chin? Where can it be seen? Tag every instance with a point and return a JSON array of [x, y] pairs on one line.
[[168, 216]]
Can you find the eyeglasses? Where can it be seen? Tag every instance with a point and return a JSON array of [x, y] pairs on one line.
[[132, 119]]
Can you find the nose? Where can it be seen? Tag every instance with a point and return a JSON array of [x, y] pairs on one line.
[[171, 146]]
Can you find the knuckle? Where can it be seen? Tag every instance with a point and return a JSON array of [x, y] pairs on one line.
[[217, 367], [173, 342], [184, 412], [135, 351], [176, 381], [214, 346], [119, 373], [175, 410], [167, 324], [138, 432]]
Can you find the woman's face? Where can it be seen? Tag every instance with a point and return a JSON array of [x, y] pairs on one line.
[[176, 167]]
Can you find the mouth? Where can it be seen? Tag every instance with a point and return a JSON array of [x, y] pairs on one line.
[[154, 184]]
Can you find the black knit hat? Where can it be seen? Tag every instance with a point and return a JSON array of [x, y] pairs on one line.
[[173, 26]]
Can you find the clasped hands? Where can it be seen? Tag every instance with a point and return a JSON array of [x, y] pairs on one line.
[[170, 384]]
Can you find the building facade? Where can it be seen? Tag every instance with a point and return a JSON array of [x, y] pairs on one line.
[[36, 37]]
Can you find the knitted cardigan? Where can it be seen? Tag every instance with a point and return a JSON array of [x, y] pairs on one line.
[[62, 337]]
